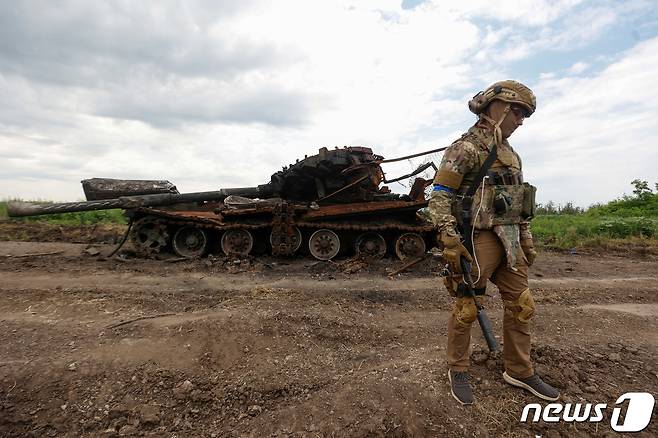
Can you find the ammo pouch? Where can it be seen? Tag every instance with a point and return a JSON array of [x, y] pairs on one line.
[[501, 205], [529, 207]]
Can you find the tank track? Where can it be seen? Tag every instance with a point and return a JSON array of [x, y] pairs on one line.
[[403, 234]]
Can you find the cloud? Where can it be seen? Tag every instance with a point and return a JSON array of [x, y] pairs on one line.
[[578, 67], [517, 12], [84, 44], [221, 94], [200, 102], [162, 66], [574, 31], [540, 27], [595, 133]]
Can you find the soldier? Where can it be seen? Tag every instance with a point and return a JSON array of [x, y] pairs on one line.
[[503, 246]]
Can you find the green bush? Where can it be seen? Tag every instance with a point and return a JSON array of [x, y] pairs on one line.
[[568, 231], [629, 217], [646, 206], [628, 226], [643, 203]]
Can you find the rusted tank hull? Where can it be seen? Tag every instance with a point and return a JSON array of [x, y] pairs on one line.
[[372, 229]]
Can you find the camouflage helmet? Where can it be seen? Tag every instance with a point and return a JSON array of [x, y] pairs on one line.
[[507, 91]]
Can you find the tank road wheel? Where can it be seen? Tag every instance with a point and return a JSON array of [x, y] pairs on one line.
[[295, 241], [149, 236], [237, 242], [370, 245], [409, 246], [190, 242], [324, 244]]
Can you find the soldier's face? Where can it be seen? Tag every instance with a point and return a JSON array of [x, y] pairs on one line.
[[513, 119]]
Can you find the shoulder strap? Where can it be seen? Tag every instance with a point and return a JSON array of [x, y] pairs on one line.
[[483, 171], [467, 202]]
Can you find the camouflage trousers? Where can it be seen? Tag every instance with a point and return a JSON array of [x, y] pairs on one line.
[[519, 308]]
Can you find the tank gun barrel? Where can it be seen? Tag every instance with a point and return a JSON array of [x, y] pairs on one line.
[[19, 209]]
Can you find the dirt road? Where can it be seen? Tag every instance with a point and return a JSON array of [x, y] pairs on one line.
[[268, 347]]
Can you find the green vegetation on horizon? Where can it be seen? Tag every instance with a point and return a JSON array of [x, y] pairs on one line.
[[629, 218]]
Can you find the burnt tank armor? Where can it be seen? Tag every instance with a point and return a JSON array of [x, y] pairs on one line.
[[327, 204]]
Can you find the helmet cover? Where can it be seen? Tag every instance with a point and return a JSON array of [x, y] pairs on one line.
[[508, 91]]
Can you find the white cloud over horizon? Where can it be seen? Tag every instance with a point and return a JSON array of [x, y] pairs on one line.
[[222, 94]]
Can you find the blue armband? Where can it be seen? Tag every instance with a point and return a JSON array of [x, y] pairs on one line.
[[440, 188]]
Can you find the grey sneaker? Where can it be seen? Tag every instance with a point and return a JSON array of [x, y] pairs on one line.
[[460, 388], [535, 385]]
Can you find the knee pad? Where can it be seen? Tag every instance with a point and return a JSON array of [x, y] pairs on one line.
[[523, 308], [465, 311]]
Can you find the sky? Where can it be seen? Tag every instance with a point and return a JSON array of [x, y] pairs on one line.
[[212, 94]]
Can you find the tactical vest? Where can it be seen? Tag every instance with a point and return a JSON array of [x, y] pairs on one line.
[[503, 198]]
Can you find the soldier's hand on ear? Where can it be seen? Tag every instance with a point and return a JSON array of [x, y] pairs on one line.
[[453, 250]]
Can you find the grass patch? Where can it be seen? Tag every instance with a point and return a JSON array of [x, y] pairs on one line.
[[576, 230], [629, 220], [114, 216]]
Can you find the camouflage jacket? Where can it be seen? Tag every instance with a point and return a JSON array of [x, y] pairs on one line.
[[459, 167]]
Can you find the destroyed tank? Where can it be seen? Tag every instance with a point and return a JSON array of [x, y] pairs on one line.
[[327, 204]]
